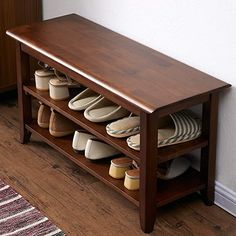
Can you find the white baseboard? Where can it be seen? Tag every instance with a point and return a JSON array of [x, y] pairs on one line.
[[225, 198]]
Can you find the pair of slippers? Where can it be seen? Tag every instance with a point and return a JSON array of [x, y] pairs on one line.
[[49, 77], [58, 125], [176, 128], [93, 148], [97, 108], [123, 168]]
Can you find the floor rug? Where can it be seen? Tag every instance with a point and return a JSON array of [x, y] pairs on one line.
[[19, 218]]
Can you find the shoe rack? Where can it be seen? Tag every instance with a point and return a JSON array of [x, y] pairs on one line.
[[144, 81]]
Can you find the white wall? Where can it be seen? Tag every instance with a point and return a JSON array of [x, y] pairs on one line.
[[200, 33], [54, 8]]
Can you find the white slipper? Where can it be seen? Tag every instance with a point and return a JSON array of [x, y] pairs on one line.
[[43, 117], [125, 127], [80, 140], [96, 149], [177, 128], [104, 110], [42, 78], [83, 100], [173, 169]]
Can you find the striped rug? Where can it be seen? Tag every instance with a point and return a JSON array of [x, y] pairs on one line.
[[19, 218]]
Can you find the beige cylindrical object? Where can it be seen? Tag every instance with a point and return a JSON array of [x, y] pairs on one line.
[[132, 179], [58, 90], [42, 78], [119, 166]]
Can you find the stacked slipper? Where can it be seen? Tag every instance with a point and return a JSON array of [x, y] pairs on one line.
[[176, 128]]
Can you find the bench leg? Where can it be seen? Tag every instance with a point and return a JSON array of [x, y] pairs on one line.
[[24, 101], [148, 164], [208, 154]]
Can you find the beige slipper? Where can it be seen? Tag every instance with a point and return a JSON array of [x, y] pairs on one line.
[[104, 110], [96, 149], [58, 89], [80, 140], [131, 181], [177, 128], [42, 78], [125, 127], [60, 126], [44, 114], [119, 166], [83, 100]]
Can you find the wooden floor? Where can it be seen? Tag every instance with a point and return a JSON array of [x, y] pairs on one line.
[[81, 205]]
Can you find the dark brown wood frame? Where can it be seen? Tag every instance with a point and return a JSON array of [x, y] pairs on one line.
[[153, 192]]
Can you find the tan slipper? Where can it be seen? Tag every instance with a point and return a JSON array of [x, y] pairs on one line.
[[119, 166], [60, 126], [44, 114], [132, 179]]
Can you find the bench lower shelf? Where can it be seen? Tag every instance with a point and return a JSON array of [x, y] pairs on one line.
[[167, 191]]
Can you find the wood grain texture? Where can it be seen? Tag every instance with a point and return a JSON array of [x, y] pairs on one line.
[[114, 64], [14, 13], [208, 153], [98, 129], [148, 168], [167, 190], [24, 100], [136, 77], [164, 154], [81, 205]]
